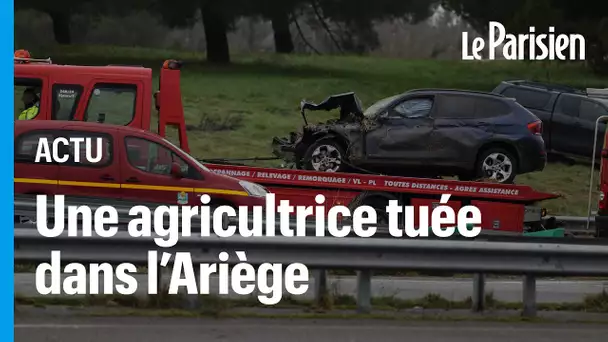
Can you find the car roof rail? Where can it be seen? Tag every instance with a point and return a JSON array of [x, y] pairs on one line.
[[549, 86], [458, 91]]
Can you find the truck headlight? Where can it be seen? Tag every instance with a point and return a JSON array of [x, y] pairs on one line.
[[253, 189]]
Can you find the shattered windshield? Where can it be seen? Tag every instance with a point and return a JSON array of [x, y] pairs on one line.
[[375, 109]]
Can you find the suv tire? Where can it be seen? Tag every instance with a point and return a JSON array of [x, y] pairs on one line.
[[325, 155], [496, 164]]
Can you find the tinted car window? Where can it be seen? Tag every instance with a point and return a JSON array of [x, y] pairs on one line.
[[591, 110], [26, 145], [152, 157], [106, 152], [414, 108], [456, 106], [488, 108], [528, 98], [568, 105]]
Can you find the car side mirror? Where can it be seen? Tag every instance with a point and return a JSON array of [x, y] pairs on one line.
[[176, 171]]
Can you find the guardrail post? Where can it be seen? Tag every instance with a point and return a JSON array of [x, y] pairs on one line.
[[321, 291], [529, 296], [194, 300], [479, 292], [159, 279], [364, 291]]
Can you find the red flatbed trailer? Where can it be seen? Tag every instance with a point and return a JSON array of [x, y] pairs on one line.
[[503, 207]]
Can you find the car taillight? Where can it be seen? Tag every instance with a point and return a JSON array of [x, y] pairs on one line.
[[602, 203], [604, 153], [536, 127]]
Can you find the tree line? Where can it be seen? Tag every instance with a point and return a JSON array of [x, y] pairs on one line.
[[351, 28]]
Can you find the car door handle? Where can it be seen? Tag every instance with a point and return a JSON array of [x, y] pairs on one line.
[[132, 180], [107, 178]]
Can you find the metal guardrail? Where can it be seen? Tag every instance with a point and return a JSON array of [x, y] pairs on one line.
[[577, 225], [527, 257]]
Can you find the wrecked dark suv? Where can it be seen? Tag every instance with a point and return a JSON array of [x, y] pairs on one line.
[[424, 133]]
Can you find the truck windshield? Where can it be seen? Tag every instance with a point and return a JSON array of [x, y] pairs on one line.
[[189, 157]]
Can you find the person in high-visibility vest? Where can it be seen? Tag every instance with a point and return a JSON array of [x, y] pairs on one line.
[[31, 104]]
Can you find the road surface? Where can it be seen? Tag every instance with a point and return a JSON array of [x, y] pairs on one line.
[[549, 291], [129, 329]]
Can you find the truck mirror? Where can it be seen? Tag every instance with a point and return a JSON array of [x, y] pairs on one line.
[[101, 117]]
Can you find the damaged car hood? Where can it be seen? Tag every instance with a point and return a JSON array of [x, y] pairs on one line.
[[348, 103]]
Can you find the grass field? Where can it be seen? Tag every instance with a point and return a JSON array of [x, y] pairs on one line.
[[234, 111]]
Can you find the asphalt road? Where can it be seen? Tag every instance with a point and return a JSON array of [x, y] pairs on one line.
[[62, 329], [548, 291]]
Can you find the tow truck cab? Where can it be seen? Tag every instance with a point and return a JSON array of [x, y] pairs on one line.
[[114, 94]]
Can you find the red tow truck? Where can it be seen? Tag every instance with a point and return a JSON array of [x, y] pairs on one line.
[[123, 95]]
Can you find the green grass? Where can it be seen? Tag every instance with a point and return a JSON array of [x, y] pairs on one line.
[[234, 111]]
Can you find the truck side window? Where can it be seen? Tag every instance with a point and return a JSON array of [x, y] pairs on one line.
[[26, 145], [65, 101], [28, 94], [528, 98], [152, 157], [112, 103], [591, 110]]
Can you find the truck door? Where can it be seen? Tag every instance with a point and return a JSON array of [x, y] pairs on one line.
[[79, 177], [403, 134], [146, 173]]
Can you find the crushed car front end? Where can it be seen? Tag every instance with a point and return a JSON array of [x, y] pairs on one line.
[[293, 147], [286, 147]]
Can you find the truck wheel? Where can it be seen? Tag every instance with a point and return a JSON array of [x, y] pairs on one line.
[[325, 155], [497, 165]]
